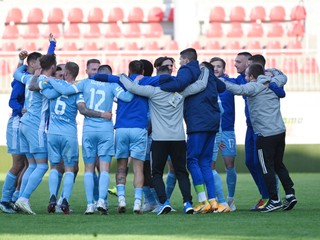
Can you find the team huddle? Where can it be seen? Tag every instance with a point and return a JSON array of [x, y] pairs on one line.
[[148, 131]]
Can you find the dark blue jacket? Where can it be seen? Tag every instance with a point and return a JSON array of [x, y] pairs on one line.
[[201, 111], [16, 101]]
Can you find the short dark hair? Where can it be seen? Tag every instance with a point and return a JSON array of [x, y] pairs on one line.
[[93, 60], [33, 57], [48, 60], [72, 68], [105, 69], [163, 70], [214, 59], [208, 65], [147, 66], [189, 53], [258, 58], [136, 67], [158, 62], [246, 54], [255, 70]]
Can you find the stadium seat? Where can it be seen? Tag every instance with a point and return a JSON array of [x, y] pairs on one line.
[[277, 14], [171, 45], [55, 15], [14, 16], [212, 45], [237, 14], [155, 14], [295, 45], [214, 30], [110, 46], [274, 46], [151, 45], [235, 30], [233, 45], [275, 30], [290, 65], [73, 31], [131, 46], [154, 30], [135, 15], [69, 46], [30, 46], [75, 15], [258, 14], [90, 46], [5, 68], [254, 47], [132, 30], [93, 32], [95, 15], [10, 32], [171, 15], [8, 47], [113, 31], [296, 29], [255, 30], [298, 13], [115, 14], [35, 15], [217, 14], [31, 31], [54, 29], [309, 66]]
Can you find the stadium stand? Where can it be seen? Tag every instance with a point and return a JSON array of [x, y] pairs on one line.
[[275, 30], [54, 28], [235, 30], [132, 30], [298, 12], [154, 30], [55, 15], [217, 14], [73, 31], [155, 14], [75, 15], [214, 30], [11, 32], [110, 46], [35, 15], [95, 15], [135, 15], [151, 45], [14, 15], [8, 47], [257, 14], [93, 31], [31, 31], [115, 14], [255, 30], [277, 14], [237, 14]]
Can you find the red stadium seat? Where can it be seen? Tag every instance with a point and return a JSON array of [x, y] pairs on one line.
[[237, 14], [233, 45], [154, 30], [217, 14], [135, 15], [95, 15], [132, 30], [4, 68], [274, 44], [131, 46], [111, 46], [171, 15], [255, 30], [296, 29], [196, 45], [254, 47], [35, 16], [8, 47], [31, 31], [115, 14], [75, 15], [10, 32], [275, 30], [212, 45], [295, 45], [258, 13], [30, 46], [54, 29], [90, 46], [277, 14], [94, 31], [151, 45], [56, 15], [235, 30], [215, 30], [155, 14], [309, 66], [113, 31], [69, 46], [290, 65], [171, 45], [14, 15], [298, 13], [72, 32]]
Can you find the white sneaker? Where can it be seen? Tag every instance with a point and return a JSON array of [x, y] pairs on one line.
[[232, 205], [24, 206], [122, 205], [58, 209], [137, 206], [157, 209], [90, 209], [95, 204], [147, 207], [101, 207]]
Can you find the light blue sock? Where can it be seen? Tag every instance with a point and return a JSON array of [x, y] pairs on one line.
[[59, 182], [121, 190], [170, 183], [15, 196], [53, 182], [88, 186], [218, 187], [68, 183], [103, 184], [8, 187], [25, 177], [231, 181], [35, 179], [138, 193], [96, 186]]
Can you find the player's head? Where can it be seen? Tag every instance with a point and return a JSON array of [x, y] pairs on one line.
[[219, 66], [241, 61], [33, 61], [258, 58], [48, 64], [105, 69], [187, 56], [59, 74], [207, 65], [71, 71], [253, 71], [92, 67], [164, 61], [135, 67], [147, 67], [163, 70]]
